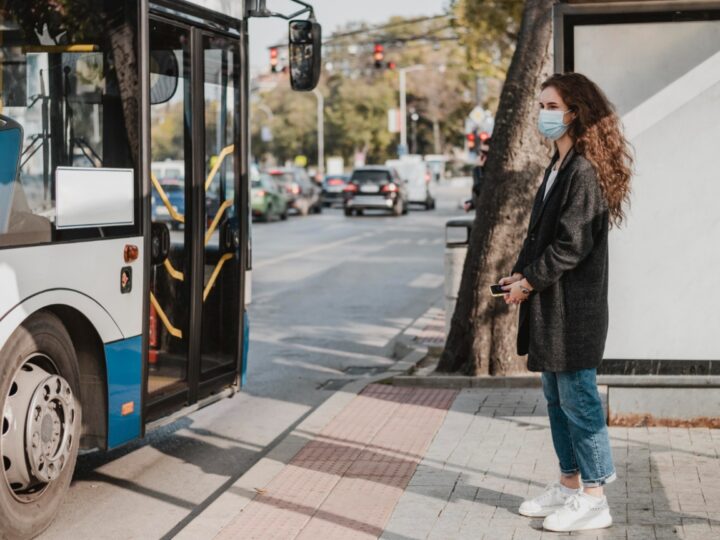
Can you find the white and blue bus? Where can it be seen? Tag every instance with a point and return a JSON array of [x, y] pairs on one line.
[[124, 231]]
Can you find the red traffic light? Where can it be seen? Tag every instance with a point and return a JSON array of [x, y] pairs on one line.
[[378, 54], [471, 140], [273, 59]]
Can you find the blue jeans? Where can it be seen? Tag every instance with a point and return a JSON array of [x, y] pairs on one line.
[[577, 423]]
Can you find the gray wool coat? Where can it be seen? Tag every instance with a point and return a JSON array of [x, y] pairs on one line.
[[564, 322]]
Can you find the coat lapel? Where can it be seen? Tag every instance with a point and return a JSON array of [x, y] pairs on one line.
[[541, 200]]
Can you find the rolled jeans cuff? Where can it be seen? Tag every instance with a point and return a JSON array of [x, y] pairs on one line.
[[569, 472], [600, 481]]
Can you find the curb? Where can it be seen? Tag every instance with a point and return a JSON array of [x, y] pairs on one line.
[[463, 381], [210, 522]]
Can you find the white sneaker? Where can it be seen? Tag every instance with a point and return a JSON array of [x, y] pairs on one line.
[[550, 500], [580, 513]]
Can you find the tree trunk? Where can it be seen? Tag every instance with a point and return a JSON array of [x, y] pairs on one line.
[[483, 331], [123, 46]]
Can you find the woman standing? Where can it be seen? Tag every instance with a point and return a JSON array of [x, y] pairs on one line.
[[561, 282]]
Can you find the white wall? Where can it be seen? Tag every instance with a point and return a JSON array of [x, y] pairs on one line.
[[665, 81]]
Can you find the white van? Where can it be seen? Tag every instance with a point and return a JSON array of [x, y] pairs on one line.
[[414, 170]]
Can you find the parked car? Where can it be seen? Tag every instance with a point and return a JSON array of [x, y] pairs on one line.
[[268, 202], [332, 188], [375, 188], [302, 193], [170, 169], [175, 192], [417, 174]]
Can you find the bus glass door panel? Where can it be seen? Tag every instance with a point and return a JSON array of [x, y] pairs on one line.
[[221, 281], [170, 288]]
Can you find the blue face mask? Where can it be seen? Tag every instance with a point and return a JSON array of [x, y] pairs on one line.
[[551, 125]]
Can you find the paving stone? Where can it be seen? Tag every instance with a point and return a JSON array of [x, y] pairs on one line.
[[402, 464]]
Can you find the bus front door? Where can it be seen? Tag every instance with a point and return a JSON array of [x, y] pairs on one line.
[[195, 314]]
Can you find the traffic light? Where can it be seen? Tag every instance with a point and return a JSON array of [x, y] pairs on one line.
[[273, 59], [379, 55], [471, 141]]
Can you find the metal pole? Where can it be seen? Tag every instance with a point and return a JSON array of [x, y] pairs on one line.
[[320, 131], [403, 103], [403, 110]]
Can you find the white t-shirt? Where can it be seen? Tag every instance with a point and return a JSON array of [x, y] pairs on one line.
[[550, 182]]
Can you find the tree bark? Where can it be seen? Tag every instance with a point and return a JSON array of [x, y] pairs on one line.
[[483, 331], [123, 46]]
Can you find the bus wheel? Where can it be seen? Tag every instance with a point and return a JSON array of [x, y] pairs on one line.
[[41, 423]]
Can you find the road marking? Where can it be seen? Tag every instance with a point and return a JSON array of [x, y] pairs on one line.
[[427, 281], [313, 250]]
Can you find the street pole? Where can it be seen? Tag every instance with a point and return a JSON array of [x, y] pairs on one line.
[[403, 110], [320, 131], [403, 103]]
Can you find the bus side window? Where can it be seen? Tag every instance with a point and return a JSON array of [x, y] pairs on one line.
[[63, 89]]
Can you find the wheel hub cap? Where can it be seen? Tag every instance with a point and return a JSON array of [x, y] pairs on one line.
[[38, 423]]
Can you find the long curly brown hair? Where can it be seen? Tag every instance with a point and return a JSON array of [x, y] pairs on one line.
[[597, 135]]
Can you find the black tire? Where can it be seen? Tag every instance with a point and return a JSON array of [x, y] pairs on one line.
[[360, 212], [267, 216], [41, 333], [284, 215], [348, 212]]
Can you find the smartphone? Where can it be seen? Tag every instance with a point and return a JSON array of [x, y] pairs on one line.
[[497, 290]]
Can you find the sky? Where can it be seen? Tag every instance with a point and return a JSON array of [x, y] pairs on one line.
[[332, 14]]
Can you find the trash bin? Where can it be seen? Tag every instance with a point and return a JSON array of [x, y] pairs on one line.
[[457, 238]]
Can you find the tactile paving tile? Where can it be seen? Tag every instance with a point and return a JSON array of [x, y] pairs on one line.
[[345, 483]]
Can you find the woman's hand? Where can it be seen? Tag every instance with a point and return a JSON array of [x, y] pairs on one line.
[[518, 291], [510, 279]]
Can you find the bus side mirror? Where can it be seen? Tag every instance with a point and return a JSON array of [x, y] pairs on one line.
[[164, 76], [305, 54]]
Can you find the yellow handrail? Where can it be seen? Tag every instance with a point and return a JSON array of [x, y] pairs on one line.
[[171, 270], [77, 48], [215, 273], [175, 332], [163, 196], [211, 229], [225, 152]]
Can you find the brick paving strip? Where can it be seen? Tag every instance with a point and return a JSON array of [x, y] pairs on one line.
[[345, 482]]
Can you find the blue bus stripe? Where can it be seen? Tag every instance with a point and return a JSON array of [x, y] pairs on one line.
[[124, 374]]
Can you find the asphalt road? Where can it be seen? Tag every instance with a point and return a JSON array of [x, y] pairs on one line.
[[329, 295]]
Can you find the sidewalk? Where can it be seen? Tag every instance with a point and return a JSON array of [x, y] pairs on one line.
[[407, 462], [403, 463]]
